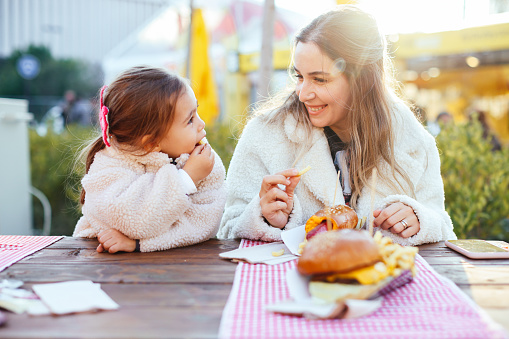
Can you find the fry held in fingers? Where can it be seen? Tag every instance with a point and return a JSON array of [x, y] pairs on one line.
[[304, 170]]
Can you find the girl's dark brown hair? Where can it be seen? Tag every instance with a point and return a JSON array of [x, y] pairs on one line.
[[141, 102]]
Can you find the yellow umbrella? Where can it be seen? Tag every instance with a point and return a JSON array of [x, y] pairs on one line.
[[201, 74]]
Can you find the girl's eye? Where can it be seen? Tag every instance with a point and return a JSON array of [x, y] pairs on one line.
[[190, 120], [298, 76], [320, 80]]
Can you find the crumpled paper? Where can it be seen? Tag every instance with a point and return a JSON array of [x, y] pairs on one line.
[[261, 254], [302, 303]]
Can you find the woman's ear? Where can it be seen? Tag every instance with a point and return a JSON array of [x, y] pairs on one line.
[[149, 147]]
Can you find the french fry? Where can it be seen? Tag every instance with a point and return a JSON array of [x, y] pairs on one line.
[[396, 257], [304, 170], [278, 253]]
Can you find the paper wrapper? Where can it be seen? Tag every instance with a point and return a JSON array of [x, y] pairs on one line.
[[261, 254], [307, 304]]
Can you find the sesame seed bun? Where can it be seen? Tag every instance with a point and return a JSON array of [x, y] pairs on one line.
[[338, 251]]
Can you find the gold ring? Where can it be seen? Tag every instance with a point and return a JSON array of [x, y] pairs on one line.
[[405, 224]]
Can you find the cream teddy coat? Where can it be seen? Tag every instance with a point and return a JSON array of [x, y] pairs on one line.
[[267, 149], [144, 198]]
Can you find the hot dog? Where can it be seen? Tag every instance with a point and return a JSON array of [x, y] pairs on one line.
[[339, 217]]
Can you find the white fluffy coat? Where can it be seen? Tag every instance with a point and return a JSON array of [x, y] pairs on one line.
[[267, 149], [143, 197]]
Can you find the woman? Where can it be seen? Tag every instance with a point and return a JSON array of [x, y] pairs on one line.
[[342, 116]]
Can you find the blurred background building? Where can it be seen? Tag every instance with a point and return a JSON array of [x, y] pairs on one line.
[[83, 29], [451, 56]]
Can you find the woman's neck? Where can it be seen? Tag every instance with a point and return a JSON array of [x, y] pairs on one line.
[[343, 134]]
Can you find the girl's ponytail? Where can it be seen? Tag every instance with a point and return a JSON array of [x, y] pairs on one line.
[[90, 152]]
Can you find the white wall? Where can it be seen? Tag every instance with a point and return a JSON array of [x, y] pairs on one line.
[[15, 198]]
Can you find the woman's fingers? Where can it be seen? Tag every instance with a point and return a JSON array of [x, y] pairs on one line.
[[398, 218], [284, 178], [273, 195], [274, 207], [381, 220], [293, 184], [277, 203], [271, 181], [390, 216]]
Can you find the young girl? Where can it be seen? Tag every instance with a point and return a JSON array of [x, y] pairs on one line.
[[150, 184]]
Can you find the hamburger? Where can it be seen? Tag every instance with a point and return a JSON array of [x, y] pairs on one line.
[[331, 218], [350, 264]]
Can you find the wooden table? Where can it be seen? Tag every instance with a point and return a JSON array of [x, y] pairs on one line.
[[181, 293]]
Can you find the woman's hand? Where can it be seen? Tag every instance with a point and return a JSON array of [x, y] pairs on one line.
[[113, 241], [200, 163], [399, 219], [277, 203]]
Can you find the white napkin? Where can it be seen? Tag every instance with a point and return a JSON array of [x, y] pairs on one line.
[[261, 254], [303, 304], [74, 296], [293, 238]]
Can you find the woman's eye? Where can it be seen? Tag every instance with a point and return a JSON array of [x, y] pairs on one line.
[[298, 76], [321, 80]]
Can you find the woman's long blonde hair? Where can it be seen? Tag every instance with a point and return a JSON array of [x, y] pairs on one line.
[[350, 35]]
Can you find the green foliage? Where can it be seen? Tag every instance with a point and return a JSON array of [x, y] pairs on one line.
[[55, 76], [52, 162], [223, 138], [476, 182]]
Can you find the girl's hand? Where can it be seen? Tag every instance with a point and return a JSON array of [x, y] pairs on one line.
[[200, 163], [276, 203], [113, 241], [399, 219]]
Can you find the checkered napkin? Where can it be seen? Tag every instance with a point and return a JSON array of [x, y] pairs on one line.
[[431, 306], [15, 247]]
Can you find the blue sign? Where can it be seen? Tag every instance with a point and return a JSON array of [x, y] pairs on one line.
[[28, 66]]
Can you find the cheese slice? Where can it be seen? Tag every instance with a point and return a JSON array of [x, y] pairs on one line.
[[365, 276]]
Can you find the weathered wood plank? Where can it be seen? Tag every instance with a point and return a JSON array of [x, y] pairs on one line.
[[214, 244], [128, 322], [475, 274], [87, 256], [108, 273], [461, 260], [488, 296], [167, 295]]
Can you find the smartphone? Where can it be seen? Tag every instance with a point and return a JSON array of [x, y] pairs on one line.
[[480, 249]]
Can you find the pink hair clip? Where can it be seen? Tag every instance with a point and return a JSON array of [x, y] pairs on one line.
[[103, 119]]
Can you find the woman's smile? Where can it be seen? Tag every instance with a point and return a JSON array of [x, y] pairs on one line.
[[314, 110]]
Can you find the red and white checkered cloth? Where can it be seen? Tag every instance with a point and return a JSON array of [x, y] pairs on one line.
[[15, 247], [431, 306]]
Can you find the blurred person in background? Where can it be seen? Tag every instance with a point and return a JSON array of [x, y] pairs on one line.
[[487, 133], [443, 119], [343, 118], [76, 110]]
